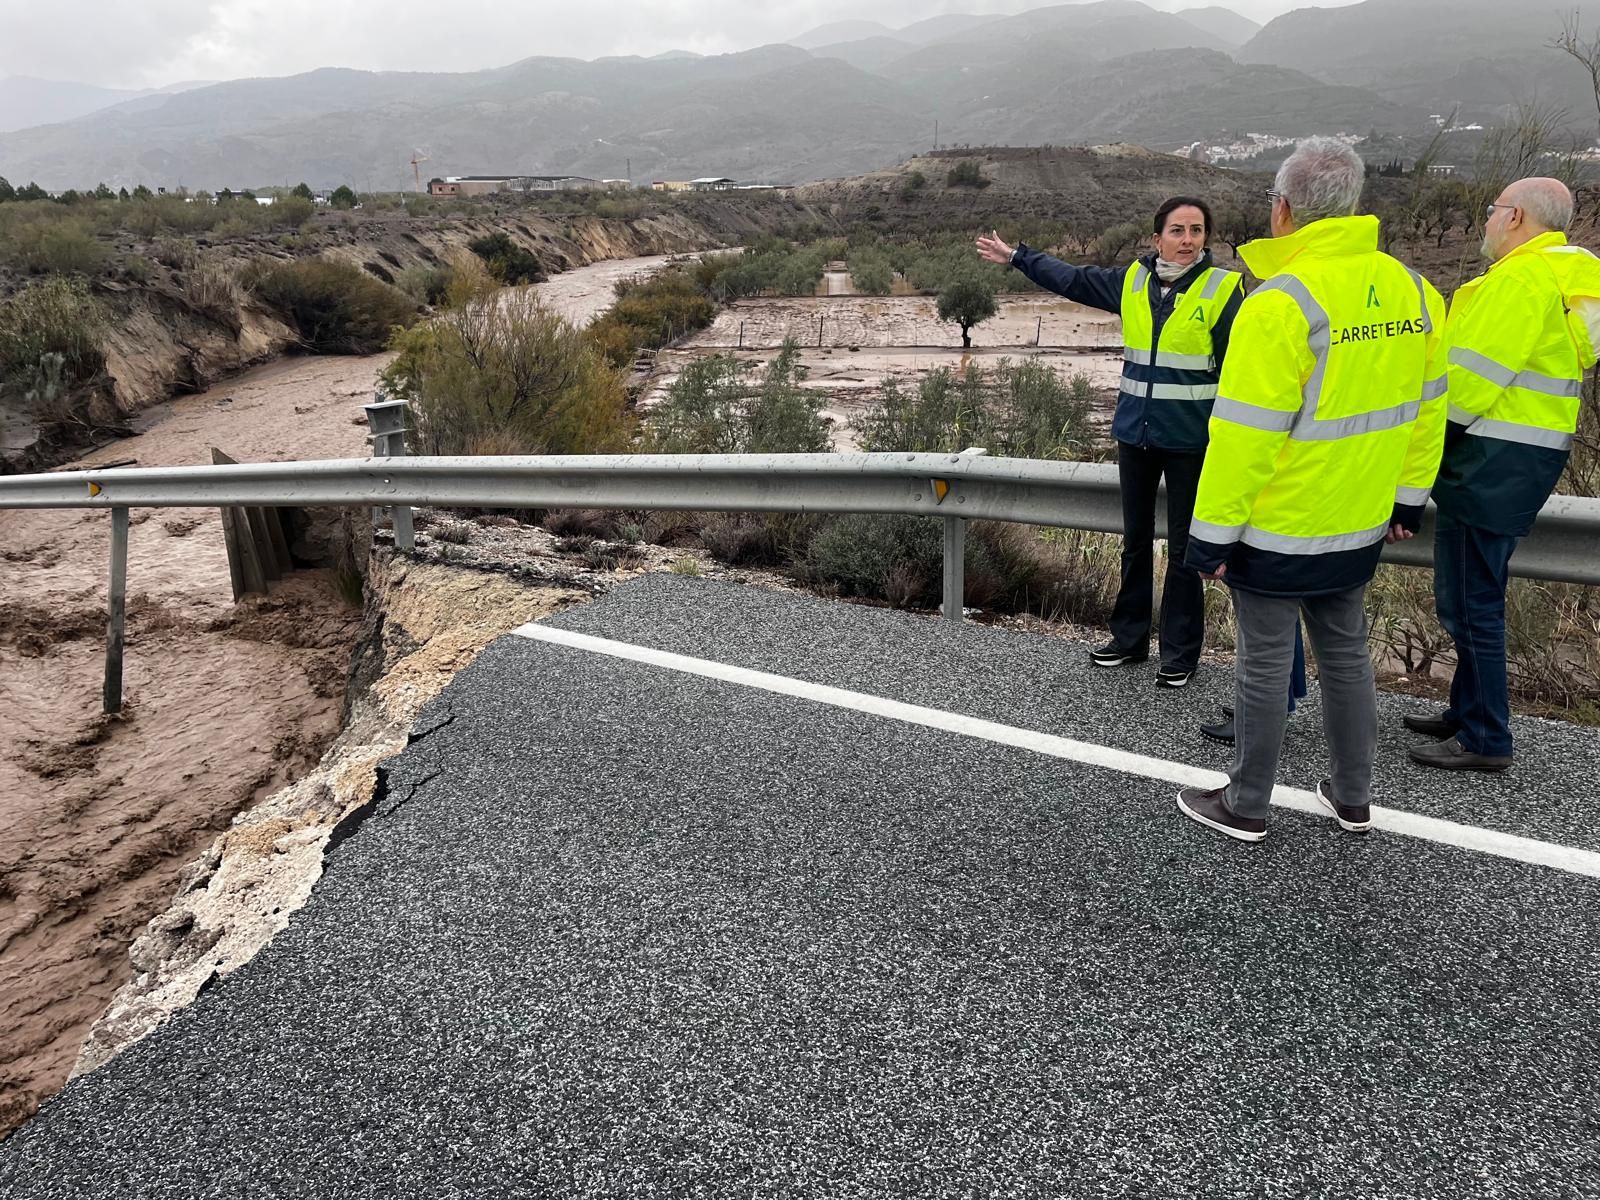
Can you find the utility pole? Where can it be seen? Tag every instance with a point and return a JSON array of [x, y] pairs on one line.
[[629, 161], [936, 133]]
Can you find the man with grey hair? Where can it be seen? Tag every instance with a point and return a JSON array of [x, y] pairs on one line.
[[1520, 338], [1325, 438]]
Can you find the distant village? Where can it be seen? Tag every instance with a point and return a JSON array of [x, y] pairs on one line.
[[484, 185]]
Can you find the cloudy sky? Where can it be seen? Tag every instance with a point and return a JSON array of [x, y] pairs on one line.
[[150, 43]]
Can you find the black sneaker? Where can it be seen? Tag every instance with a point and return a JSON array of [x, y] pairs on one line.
[[1220, 731], [1434, 727], [1167, 677], [1355, 818], [1112, 655], [1207, 807]]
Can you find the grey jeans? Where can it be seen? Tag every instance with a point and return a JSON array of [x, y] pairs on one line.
[[1337, 627]]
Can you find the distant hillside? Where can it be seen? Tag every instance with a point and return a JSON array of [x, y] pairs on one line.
[[1222, 23], [1111, 70], [1205, 94], [26, 102], [839, 31], [1480, 55], [1028, 185]]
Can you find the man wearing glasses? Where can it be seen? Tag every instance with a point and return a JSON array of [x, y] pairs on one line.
[[1325, 438], [1520, 338]]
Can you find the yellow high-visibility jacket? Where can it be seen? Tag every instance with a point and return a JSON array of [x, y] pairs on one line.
[[1329, 419], [1519, 339]]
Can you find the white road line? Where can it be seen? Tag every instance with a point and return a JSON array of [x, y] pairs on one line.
[[1449, 833]]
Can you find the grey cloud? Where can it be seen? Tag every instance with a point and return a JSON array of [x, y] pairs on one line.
[[152, 42]]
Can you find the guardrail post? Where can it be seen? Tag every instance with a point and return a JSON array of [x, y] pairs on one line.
[[955, 558], [116, 611], [387, 420]]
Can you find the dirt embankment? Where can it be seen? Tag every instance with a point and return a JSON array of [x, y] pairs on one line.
[[162, 343]]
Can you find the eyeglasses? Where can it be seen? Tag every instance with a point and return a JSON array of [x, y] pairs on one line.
[[1273, 195], [1489, 210]]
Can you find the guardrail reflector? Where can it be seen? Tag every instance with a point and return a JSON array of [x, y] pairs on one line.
[[941, 489], [94, 489]]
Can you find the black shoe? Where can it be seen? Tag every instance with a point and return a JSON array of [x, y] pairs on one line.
[[1167, 677], [1434, 727], [1207, 807], [1355, 818], [1451, 755], [1221, 731], [1112, 655]]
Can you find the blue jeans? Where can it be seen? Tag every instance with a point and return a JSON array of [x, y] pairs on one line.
[[1297, 672], [1471, 568]]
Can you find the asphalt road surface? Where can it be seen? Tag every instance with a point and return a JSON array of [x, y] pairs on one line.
[[666, 928]]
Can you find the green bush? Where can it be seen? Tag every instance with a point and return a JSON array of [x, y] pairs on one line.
[[507, 261], [214, 294], [343, 197], [137, 269], [651, 313], [713, 407], [292, 211], [49, 341], [967, 173], [913, 183], [49, 242], [426, 285], [1020, 410], [871, 272], [497, 373], [337, 307]]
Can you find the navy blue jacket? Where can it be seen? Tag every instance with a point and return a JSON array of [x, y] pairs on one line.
[[1140, 421]]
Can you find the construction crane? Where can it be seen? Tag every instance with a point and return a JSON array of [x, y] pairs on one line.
[[417, 156]]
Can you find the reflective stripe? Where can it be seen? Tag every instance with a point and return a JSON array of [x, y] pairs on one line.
[[1435, 389], [1214, 283], [1502, 376], [1285, 543], [1527, 435], [1253, 417], [1411, 496], [1161, 358], [1140, 275], [1353, 426], [1422, 295], [1319, 335], [1221, 535], [1183, 391], [1460, 416]]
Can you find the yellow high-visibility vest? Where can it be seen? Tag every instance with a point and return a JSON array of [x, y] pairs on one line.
[[1330, 410]]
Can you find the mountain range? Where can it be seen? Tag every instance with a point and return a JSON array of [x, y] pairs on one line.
[[836, 100]]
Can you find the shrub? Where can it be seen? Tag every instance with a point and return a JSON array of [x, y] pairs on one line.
[[212, 293], [343, 197], [49, 341], [293, 211], [507, 261], [894, 558], [49, 244], [497, 373], [913, 183], [967, 173], [337, 308], [714, 408], [1021, 410], [426, 285], [137, 269], [651, 313]]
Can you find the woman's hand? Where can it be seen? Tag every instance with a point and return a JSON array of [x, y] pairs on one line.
[[994, 250]]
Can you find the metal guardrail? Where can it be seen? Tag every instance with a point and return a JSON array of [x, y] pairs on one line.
[[1564, 545]]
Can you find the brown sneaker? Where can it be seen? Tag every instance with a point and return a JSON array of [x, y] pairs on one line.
[[1354, 818], [1208, 808]]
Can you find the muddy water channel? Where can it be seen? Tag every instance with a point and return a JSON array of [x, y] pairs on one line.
[[225, 703]]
